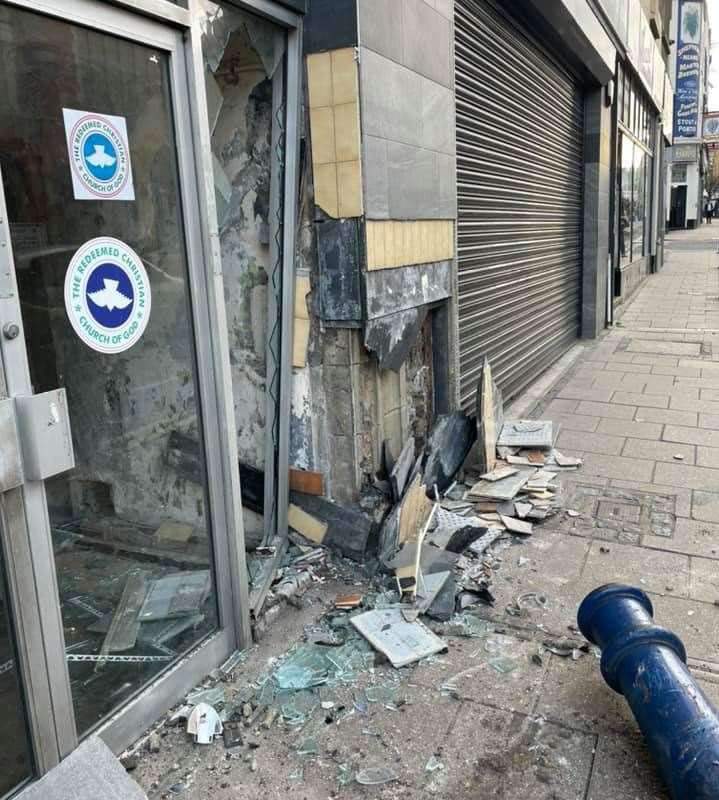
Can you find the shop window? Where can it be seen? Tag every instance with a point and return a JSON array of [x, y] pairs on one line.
[[679, 173], [625, 205]]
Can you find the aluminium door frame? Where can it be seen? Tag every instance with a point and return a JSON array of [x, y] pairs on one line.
[[167, 27]]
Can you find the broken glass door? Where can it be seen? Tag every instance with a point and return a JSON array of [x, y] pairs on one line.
[[89, 168]]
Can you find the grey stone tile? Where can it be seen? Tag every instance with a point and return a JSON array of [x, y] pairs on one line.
[[705, 506], [687, 476], [410, 172], [605, 410], [637, 398], [590, 442], [623, 770], [687, 404], [690, 536], [530, 758], [680, 372], [710, 421], [391, 93], [708, 457], [574, 422], [375, 178], [575, 694], [659, 451], [631, 428], [700, 383], [445, 169], [426, 41], [668, 416], [664, 348], [578, 392], [633, 469], [704, 584], [380, 27], [558, 406], [645, 358], [651, 570], [437, 117], [689, 435]]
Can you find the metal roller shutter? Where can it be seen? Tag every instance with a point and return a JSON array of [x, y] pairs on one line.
[[519, 189]]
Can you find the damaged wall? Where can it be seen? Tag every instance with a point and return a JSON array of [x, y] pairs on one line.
[[377, 231]]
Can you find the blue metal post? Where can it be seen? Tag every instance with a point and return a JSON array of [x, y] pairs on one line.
[[647, 664]]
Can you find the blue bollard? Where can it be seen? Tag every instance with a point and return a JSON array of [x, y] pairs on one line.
[[647, 664]]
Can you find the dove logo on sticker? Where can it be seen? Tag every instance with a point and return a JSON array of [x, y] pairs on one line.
[[99, 156], [107, 295]]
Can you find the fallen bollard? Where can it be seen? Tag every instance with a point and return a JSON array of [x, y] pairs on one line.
[[647, 664]]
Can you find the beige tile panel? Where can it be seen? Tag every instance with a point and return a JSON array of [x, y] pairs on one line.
[[396, 243], [335, 132]]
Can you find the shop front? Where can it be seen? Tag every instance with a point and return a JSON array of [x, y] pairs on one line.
[[133, 138]]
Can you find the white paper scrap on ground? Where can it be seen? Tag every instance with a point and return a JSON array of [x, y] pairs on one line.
[[401, 641], [204, 724]]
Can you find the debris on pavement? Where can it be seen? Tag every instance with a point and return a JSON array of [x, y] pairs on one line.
[[401, 641], [204, 724]]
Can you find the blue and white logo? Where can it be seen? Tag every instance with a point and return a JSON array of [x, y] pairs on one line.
[[107, 295], [99, 156]]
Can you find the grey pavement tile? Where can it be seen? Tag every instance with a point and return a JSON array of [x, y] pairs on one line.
[[651, 570], [654, 359], [607, 410], [575, 694], [679, 372], [557, 406], [705, 506], [704, 582], [619, 380], [574, 422], [695, 623], [623, 770], [631, 428], [590, 442], [585, 393], [691, 536], [709, 421], [629, 368], [700, 383], [467, 668], [687, 404], [687, 476], [708, 394], [630, 469], [690, 435], [683, 497], [533, 759], [708, 457], [666, 416], [641, 399], [659, 451], [708, 367]]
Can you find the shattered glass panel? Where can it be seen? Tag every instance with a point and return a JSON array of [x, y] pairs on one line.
[[242, 55], [133, 512]]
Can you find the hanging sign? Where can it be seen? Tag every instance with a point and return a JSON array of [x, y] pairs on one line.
[[688, 90], [107, 295], [99, 155]]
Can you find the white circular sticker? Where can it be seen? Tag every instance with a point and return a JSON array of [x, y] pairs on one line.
[[107, 295], [98, 155]]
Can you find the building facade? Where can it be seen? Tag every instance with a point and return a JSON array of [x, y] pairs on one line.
[[245, 240], [688, 156]]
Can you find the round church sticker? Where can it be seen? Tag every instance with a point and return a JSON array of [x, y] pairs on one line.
[[107, 295]]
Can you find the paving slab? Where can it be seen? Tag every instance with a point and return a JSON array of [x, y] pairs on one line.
[[574, 422], [668, 416], [641, 399], [692, 537], [696, 624], [687, 476], [660, 451], [590, 442], [605, 410], [705, 506], [704, 581], [630, 428], [635, 469], [651, 570], [624, 770], [690, 435], [708, 457]]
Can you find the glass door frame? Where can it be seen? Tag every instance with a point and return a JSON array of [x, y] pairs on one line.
[[23, 512]]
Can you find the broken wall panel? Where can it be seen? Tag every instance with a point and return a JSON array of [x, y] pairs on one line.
[[339, 257]]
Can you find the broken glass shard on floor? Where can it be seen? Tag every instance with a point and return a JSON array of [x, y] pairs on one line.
[[177, 595], [304, 668]]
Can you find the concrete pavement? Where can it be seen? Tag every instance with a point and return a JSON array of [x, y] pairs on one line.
[[641, 407]]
